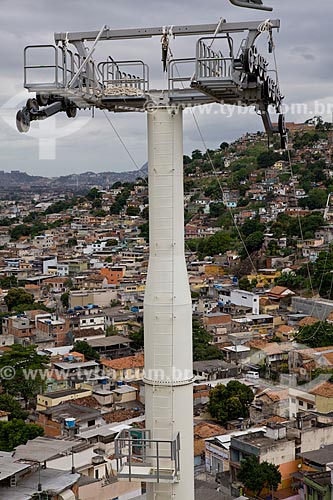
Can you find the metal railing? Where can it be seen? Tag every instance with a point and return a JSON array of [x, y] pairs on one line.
[[64, 64], [140, 457], [175, 77], [212, 64], [114, 74]]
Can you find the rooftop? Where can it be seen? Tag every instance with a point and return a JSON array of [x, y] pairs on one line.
[[73, 410], [324, 390], [109, 341], [124, 363], [53, 482], [64, 393], [41, 449], [322, 456]]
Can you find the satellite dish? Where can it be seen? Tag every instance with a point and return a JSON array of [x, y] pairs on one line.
[[251, 4]]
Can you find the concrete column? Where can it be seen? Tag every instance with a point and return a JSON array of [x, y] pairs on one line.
[[167, 305]]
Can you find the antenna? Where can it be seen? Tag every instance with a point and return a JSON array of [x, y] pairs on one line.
[[251, 4]]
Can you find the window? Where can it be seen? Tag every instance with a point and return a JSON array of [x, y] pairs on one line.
[[301, 403], [293, 400], [97, 474]]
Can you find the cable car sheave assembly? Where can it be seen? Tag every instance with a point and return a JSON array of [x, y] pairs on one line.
[[70, 79]]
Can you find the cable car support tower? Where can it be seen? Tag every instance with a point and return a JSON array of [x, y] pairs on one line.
[[219, 72]]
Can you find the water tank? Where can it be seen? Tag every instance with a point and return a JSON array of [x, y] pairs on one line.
[[104, 381], [119, 384], [70, 423]]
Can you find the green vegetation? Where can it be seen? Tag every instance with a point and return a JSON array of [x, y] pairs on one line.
[[257, 476], [132, 211], [65, 300], [9, 403], [319, 334], [17, 432], [202, 348], [8, 282], [216, 244], [138, 339], [230, 402], [121, 198], [23, 371], [18, 297], [85, 349], [111, 331]]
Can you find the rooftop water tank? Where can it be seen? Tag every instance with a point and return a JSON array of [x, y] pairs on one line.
[[70, 423]]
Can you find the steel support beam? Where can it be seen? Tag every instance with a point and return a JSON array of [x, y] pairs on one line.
[[189, 30]]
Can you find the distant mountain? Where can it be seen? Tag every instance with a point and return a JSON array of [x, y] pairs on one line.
[[70, 182]]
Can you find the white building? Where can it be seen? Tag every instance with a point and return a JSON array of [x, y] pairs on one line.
[[240, 298]]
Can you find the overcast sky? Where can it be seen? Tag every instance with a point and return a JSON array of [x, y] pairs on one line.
[[305, 60]]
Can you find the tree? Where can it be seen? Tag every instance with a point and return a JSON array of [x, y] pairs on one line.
[[24, 370], [133, 211], [252, 226], [8, 282], [256, 476], [218, 243], [224, 146], [9, 403], [138, 339], [111, 331], [196, 154], [72, 242], [65, 300], [84, 348], [319, 334], [17, 432], [202, 348], [316, 199], [216, 209], [18, 296], [94, 194], [230, 402], [254, 241], [246, 284], [112, 243], [267, 159]]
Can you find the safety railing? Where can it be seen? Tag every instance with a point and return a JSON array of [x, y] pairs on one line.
[[118, 79], [210, 63], [55, 67], [52, 68], [176, 79], [141, 458]]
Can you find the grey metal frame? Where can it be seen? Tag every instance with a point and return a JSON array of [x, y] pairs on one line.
[[150, 456], [111, 85], [182, 30]]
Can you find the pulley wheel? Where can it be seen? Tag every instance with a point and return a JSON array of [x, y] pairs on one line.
[[71, 111], [23, 120]]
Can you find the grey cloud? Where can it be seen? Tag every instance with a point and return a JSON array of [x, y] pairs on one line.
[[304, 52]]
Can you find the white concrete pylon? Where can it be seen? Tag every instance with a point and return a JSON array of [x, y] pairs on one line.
[[167, 305]]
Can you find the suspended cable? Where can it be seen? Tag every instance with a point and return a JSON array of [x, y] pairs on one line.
[[123, 143]]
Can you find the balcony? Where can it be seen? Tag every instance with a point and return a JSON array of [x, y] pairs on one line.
[[140, 458]]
